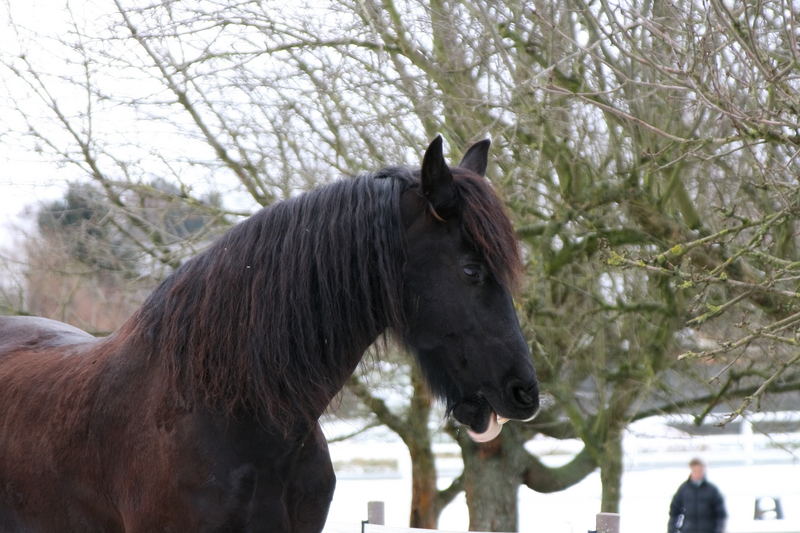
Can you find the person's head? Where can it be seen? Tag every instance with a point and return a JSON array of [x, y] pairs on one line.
[[698, 469]]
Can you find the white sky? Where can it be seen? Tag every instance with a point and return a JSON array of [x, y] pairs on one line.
[[25, 178], [28, 178], [23, 184]]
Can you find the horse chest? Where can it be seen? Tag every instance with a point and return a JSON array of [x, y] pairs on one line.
[[220, 481]]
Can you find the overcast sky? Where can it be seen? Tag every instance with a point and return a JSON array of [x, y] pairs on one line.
[[25, 178]]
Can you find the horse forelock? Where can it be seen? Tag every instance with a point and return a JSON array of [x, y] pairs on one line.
[[488, 227]]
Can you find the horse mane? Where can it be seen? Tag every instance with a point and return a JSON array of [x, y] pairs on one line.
[[267, 317]]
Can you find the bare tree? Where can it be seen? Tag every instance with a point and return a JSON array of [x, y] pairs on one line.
[[648, 152]]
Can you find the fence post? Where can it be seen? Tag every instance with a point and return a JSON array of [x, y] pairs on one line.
[[375, 513], [607, 523]]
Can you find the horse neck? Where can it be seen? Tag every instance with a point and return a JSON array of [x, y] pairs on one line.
[[276, 315]]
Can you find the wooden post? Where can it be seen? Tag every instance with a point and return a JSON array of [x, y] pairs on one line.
[[375, 513], [607, 523]]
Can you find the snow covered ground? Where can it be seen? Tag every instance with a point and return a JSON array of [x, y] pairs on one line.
[[645, 501], [742, 467]]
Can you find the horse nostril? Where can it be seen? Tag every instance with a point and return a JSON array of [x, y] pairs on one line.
[[525, 397]]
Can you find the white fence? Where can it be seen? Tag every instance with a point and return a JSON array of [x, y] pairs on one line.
[[373, 528], [776, 526], [766, 526], [606, 523]]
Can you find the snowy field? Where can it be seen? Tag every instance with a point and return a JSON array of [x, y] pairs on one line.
[[654, 469], [645, 501]]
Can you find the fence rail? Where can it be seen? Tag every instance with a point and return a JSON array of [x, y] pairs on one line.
[[606, 523], [374, 528]]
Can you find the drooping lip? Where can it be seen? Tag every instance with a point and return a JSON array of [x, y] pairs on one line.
[[491, 432], [482, 421]]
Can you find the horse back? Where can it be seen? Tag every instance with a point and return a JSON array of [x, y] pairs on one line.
[[46, 370], [34, 333]]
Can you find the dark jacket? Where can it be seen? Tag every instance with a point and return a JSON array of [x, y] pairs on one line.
[[701, 508]]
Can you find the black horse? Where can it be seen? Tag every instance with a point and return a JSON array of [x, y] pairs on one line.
[[200, 413]]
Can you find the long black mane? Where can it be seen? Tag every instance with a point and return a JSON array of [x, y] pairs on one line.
[[262, 319], [266, 318]]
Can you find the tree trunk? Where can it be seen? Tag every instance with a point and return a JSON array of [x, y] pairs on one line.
[[491, 483], [424, 513], [611, 471]]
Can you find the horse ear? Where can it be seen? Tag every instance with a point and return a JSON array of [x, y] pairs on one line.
[[476, 158], [435, 177]]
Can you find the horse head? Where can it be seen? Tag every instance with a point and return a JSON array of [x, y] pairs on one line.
[[461, 262]]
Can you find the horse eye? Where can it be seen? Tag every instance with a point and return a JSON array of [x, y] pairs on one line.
[[473, 272]]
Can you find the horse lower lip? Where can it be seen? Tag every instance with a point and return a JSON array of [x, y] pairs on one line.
[[493, 430]]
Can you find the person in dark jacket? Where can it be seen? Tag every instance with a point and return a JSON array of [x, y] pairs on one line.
[[697, 506]]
